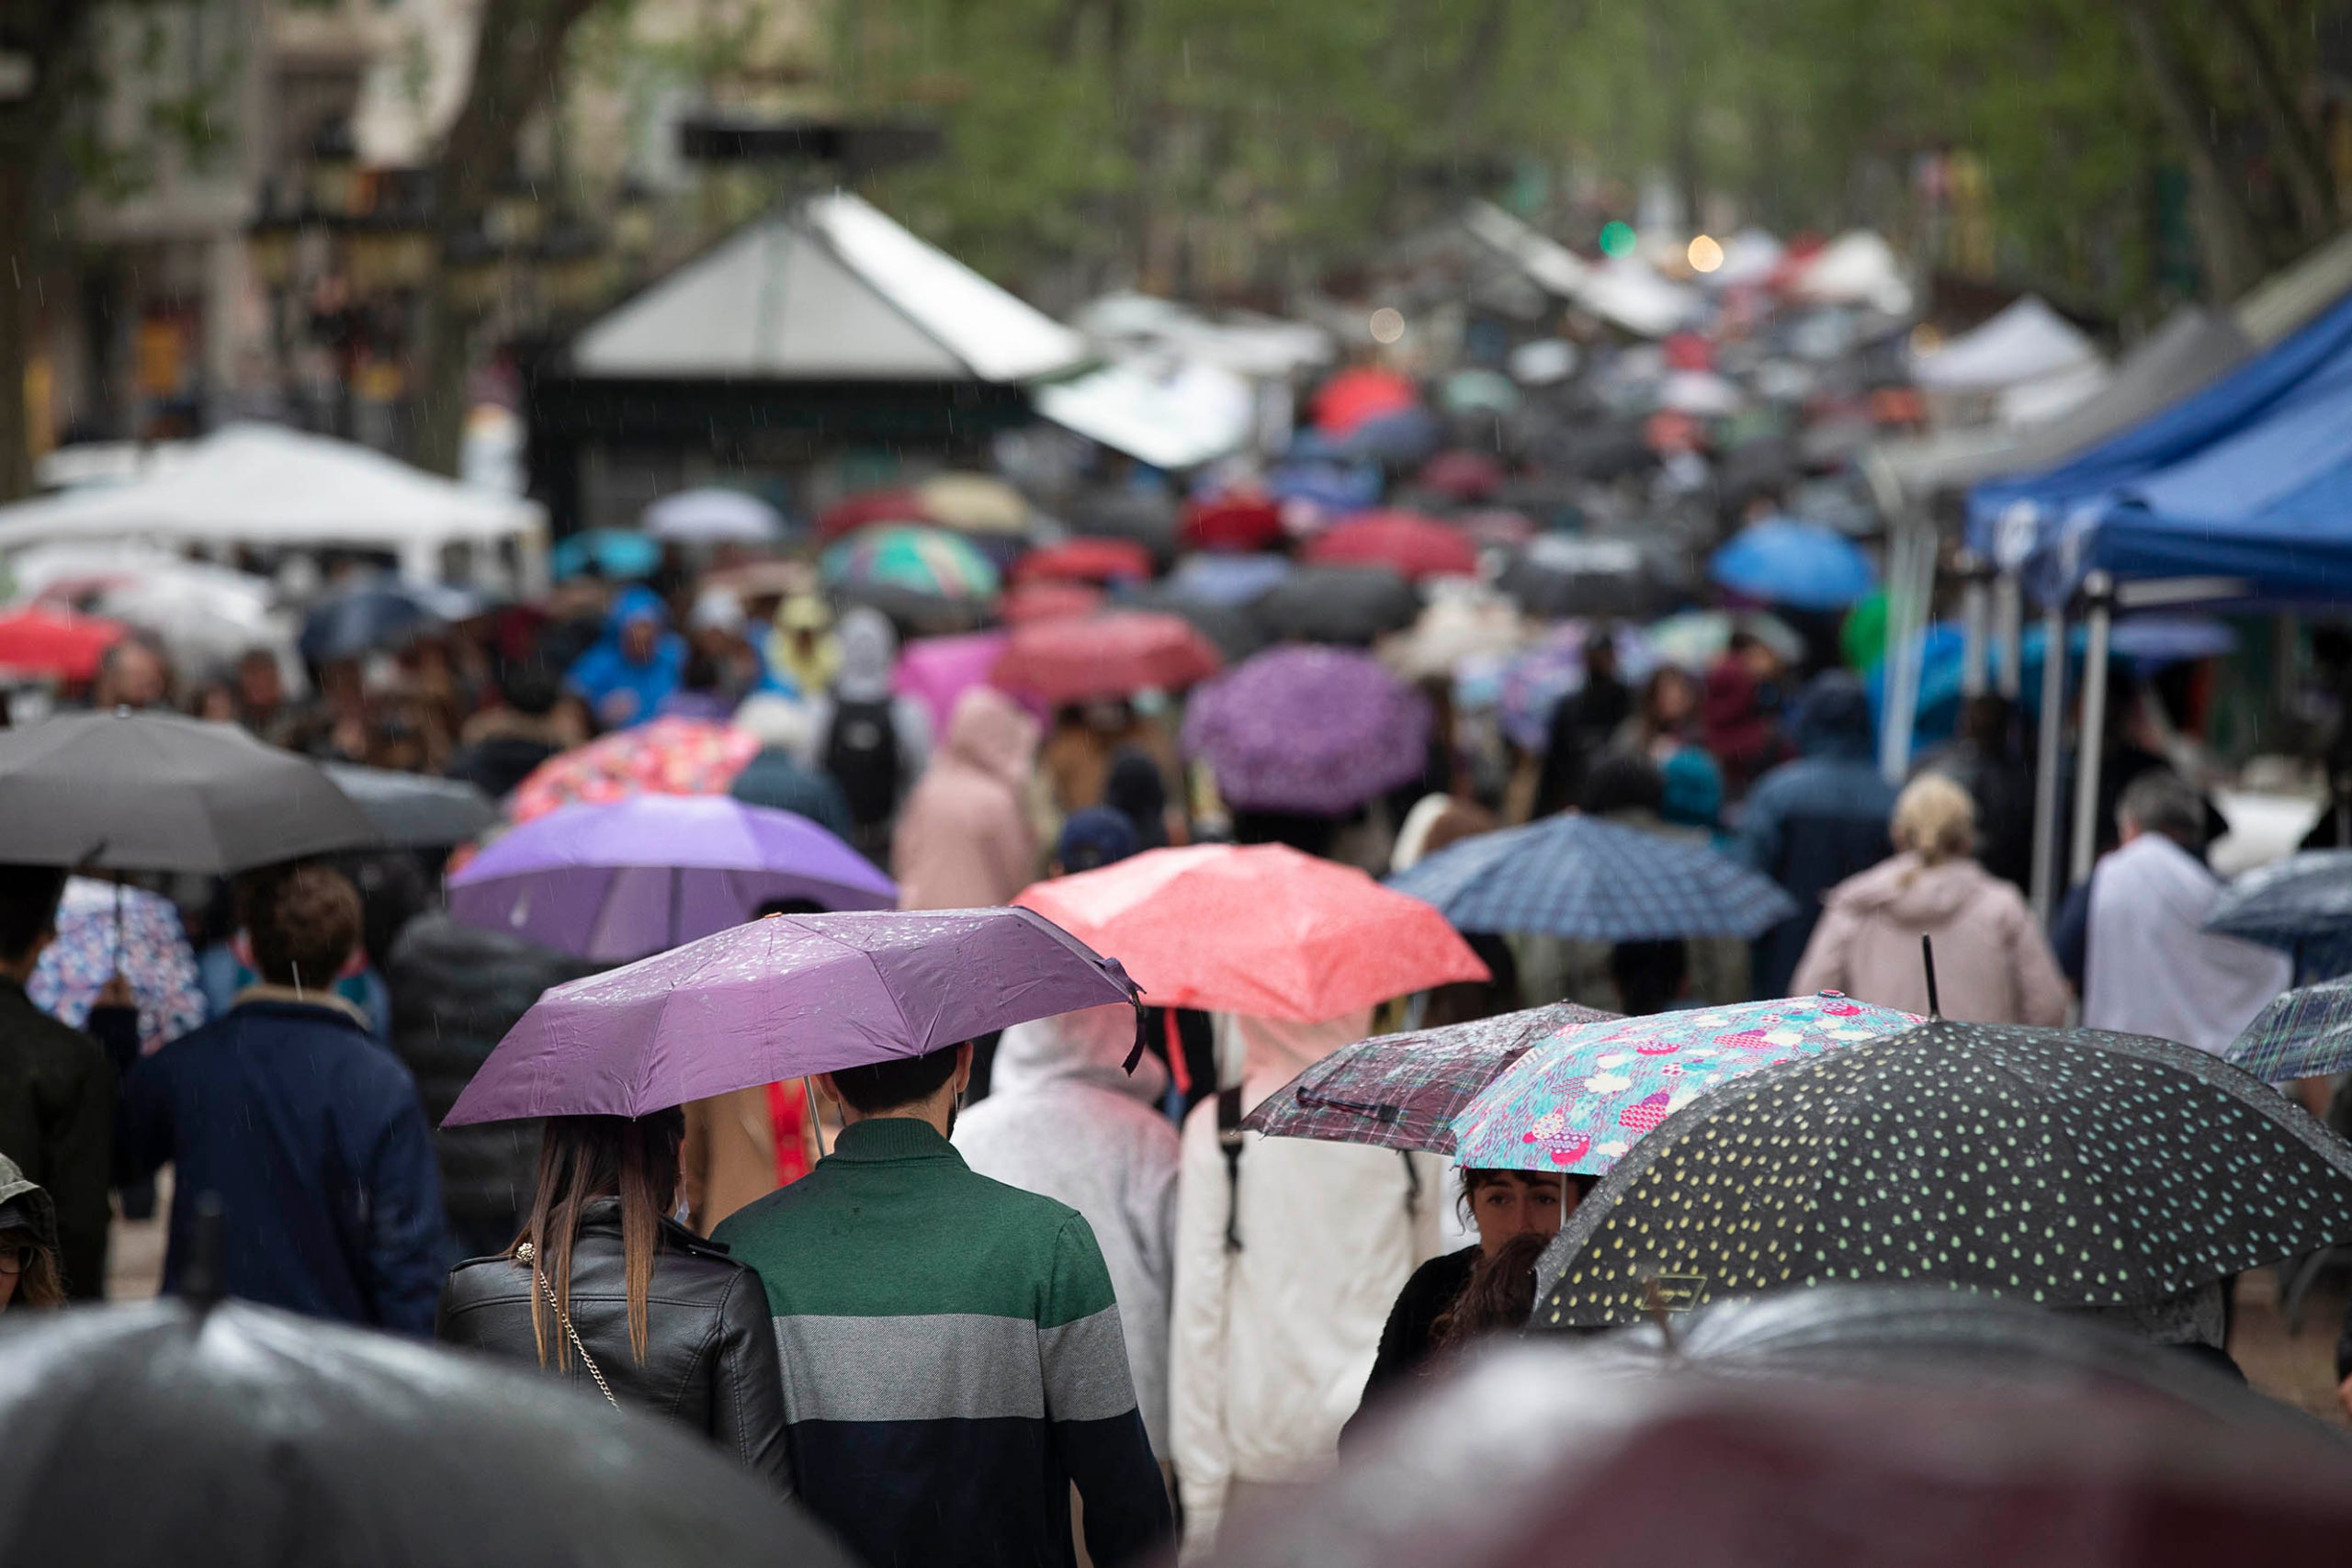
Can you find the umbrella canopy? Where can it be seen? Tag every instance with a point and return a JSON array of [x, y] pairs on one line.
[[382, 614], [869, 507], [1478, 391], [1403, 1091], [1360, 394], [712, 516], [668, 755], [1575, 574], [104, 930], [973, 504], [39, 640], [2067, 1167], [1234, 630], [1323, 485], [1411, 545], [1803, 565], [1696, 638], [1462, 476], [1308, 729], [1234, 521], [1229, 579], [1260, 929], [128, 791], [640, 875], [1581, 1101], [1352, 606], [929, 562], [297, 1440], [778, 999], [1085, 560], [1456, 629], [1113, 655], [415, 810], [1595, 880], [2303, 1033], [2301, 905], [622, 553], [1046, 600], [935, 670], [1148, 517]]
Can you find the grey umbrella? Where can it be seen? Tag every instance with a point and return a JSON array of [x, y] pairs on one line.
[[415, 810], [128, 791], [1350, 605]]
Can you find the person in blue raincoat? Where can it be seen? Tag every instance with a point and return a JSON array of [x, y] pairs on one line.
[[638, 662]]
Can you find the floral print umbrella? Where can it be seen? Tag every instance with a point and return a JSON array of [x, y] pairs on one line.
[[1579, 1101], [669, 756], [155, 959]]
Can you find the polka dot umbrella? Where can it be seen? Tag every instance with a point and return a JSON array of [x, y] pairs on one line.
[[2067, 1167]]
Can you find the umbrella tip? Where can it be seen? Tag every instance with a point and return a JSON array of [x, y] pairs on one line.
[[205, 1284], [1927, 961]]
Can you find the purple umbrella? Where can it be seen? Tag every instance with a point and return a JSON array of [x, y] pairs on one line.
[[782, 998], [1317, 730], [630, 877]]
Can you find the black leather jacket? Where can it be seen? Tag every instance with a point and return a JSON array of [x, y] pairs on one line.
[[710, 1356]]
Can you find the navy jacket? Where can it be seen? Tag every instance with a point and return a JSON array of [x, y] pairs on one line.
[[313, 1138]]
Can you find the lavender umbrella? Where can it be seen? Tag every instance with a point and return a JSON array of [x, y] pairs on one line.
[[628, 877], [780, 999], [1316, 730]]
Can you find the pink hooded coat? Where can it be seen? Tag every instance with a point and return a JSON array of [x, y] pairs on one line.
[[963, 840], [1992, 963]]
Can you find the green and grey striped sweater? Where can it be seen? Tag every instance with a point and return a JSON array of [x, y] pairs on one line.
[[952, 1360]]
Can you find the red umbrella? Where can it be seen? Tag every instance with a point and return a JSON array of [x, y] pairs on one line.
[[1689, 351], [1462, 476], [855, 511], [1405, 541], [1259, 929], [1232, 522], [1112, 655], [38, 640], [1048, 600], [1085, 560], [1359, 395], [1496, 526]]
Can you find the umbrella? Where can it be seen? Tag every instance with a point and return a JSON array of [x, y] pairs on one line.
[[1260, 929], [1235, 631], [1351, 605], [40, 640], [129, 791], [668, 755], [1696, 638], [2303, 1033], [1405, 436], [1461, 475], [1496, 526], [414, 810], [865, 508], [1478, 391], [973, 504], [1536, 682], [2301, 905], [1115, 654], [1595, 880], [1803, 565], [1229, 579], [1411, 545], [104, 930], [378, 614], [1577, 574], [203, 615], [621, 554], [1085, 560], [1308, 729], [293, 1441], [779, 998], [1581, 1099], [937, 670], [1147, 517], [926, 563], [1325, 484], [1235, 521], [635, 877], [1048, 601], [2068, 1168], [1456, 629], [1355, 396], [1402, 1092], [711, 515]]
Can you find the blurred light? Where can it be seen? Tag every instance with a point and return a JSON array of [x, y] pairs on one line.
[[1617, 238], [1387, 324], [1706, 255]]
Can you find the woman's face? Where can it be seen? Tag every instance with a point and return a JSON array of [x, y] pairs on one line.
[[1675, 700], [13, 1253], [1510, 1204]]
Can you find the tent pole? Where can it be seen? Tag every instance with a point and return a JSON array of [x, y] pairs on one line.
[[1911, 584], [2008, 634], [1972, 612], [2099, 593], [2047, 759]]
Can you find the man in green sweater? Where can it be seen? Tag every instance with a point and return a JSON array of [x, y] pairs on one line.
[[952, 1355]]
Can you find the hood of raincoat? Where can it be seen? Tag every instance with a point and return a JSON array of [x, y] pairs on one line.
[[1081, 1047], [1833, 718], [606, 668], [1906, 892], [990, 732], [1268, 1052], [866, 651], [27, 1203]]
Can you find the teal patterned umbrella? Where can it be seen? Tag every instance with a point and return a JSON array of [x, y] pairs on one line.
[[2303, 1033], [912, 559]]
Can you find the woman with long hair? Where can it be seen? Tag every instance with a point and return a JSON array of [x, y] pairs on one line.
[[604, 1287], [29, 1273]]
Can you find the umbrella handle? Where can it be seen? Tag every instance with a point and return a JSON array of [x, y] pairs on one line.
[[816, 1122], [1927, 960]]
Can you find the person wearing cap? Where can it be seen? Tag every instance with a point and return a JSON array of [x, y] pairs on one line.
[[29, 1272]]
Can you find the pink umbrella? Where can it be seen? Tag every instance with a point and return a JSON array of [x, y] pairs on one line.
[[935, 670]]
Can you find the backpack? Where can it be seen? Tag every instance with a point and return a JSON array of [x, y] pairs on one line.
[[861, 754]]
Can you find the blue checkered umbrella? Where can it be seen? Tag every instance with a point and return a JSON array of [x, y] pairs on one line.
[[1581, 876], [2301, 905], [2302, 1033]]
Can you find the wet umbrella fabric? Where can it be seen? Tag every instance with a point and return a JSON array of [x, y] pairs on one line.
[[1113, 655], [155, 792], [415, 810], [1803, 565], [1575, 574], [2301, 905], [712, 516], [293, 1441], [104, 930], [1349, 606], [41, 640], [378, 614], [1403, 1091], [2305, 1032], [1258, 929], [669, 756], [1413, 545], [1085, 560], [1307, 729], [1237, 634], [2065, 1168], [779, 998], [1232, 522], [623, 554], [1584, 1097], [622, 880], [1597, 880], [1229, 579]]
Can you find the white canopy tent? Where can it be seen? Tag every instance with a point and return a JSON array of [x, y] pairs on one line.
[[2026, 343], [1855, 268], [263, 485], [1172, 413], [1623, 291], [1263, 348]]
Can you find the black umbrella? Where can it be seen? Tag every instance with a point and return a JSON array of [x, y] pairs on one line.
[[1584, 574], [2302, 905], [161, 1432], [1232, 628], [415, 810], [382, 614], [155, 792], [2067, 1167], [1149, 520], [1350, 605]]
